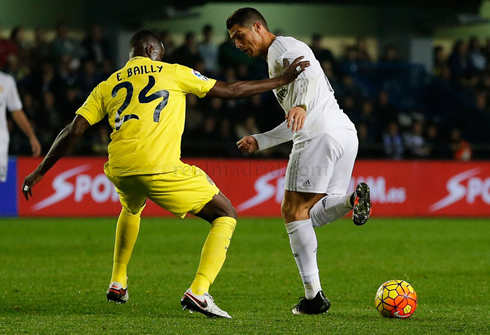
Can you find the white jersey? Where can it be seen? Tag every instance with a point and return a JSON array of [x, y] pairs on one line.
[[9, 99], [311, 90]]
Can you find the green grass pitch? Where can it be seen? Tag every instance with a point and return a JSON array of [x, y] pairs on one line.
[[54, 274]]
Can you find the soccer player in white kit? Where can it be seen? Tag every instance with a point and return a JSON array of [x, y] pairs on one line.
[[9, 99], [324, 149]]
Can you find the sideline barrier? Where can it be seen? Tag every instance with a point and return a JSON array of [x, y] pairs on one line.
[[78, 187]]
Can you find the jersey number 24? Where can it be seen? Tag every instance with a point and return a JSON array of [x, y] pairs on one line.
[[142, 98]]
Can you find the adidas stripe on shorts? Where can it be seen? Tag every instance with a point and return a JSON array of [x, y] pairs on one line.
[[323, 164], [4, 160]]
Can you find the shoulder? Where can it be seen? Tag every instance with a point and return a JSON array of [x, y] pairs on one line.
[[286, 44], [7, 79]]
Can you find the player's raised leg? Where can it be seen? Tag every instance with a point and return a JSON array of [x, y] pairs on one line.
[[304, 245], [222, 216], [343, 146]]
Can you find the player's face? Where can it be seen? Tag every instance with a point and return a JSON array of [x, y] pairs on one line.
[[247, 40]]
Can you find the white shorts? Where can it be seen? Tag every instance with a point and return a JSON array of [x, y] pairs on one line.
[[323, 164], [4, 161]]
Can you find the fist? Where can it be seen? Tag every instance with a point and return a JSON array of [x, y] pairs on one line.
[[248, 144]]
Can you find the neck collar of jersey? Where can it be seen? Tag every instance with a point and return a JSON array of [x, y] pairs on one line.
[[136, 58]]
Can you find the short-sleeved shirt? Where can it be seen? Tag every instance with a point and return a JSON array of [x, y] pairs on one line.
[[9, 99], [145, 105]]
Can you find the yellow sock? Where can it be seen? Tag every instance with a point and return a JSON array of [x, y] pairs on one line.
[[128, 226], [213, 253]]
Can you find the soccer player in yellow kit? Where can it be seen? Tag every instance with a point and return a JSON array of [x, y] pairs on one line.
[[145, 105]]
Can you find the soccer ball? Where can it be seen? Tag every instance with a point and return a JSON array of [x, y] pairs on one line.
[[396, 299]]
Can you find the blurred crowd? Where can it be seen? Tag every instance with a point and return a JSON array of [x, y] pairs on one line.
[[55, 76]]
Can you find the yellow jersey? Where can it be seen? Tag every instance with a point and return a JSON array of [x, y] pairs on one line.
[[145, 105]]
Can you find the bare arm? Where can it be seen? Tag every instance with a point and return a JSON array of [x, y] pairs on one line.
[[61, 145], [21, 120], [243, 89]]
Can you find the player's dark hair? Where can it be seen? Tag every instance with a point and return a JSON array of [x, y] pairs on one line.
[[142, 38], [246, 17]]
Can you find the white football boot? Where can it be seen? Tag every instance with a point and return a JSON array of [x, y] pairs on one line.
[[203, 304]]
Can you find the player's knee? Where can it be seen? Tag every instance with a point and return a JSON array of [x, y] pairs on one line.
[[292, 213], [229, 211]]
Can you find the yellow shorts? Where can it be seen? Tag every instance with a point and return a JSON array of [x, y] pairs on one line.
[[186, 190]]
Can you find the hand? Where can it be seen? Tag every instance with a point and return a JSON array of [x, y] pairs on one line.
[[36, 147], [296, 118], [291, 72], [29, 183], [248, 144]]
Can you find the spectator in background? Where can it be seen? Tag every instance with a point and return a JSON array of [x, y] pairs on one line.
[[481, 101], [460, 148], [66, 73], [107, 69], [89, 78], [362, 49], [20, 71], [369, 118], [348, 105], [215, 108], [365, 136], [17, 38], [100, 141], [247, 128], [203, 138], [68, 104], [230, 56], [385, 110], [321, 53], [415, 142], [63, 45], [229, 106], [328, 69], [486, 50], [194, 114], [30, 106], [477, 61], [484, 83], [95, 47], [439, 60], [169, 44], [367, 142], [458, 61], [227, 140], [435, 144], [48, 121], [208, 51], [188, 54], [446, 74], [44, 80], [6, 48], [347, 86], [40, 51], [242, 72], [350, 64], [390, 54], [392, 142]]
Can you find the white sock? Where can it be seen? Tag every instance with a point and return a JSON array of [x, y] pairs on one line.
[[330, 208], [303, 242]]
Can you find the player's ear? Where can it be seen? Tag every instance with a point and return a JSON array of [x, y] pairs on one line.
[[257, 26], [150, 51]]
